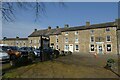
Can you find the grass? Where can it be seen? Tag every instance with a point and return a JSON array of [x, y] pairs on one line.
[[71, 66]]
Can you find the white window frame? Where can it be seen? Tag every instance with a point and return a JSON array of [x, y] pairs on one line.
[[76, 40], [57, 47], [90, 47], [65, 47], [91, 39], [107, 38], [76, 48], [106, 48], [66, 40], [35, 41], [76, 32], [66, 33], [92, 31], [106, 29], [16, 42], [31, 41]]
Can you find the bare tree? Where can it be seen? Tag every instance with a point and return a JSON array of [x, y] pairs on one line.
[[8, 9]]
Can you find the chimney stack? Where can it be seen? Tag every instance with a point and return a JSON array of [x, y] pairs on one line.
[[17, 37], [4, 38], [57, 27], [49, 27], [66, 25], [35, 29], [87, 23]]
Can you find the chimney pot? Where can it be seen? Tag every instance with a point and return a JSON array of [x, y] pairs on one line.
[[57, 27], [87, 23], [49, 27], [17, 37], [35, 29], [66, 25]]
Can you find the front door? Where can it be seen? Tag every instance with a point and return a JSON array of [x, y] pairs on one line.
[[71, 47], [100, 49]]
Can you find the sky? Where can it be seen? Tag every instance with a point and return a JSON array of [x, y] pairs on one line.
[[73, 13]]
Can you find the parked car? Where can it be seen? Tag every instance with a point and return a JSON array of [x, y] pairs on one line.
[[4, 57], [37, 52], [16, 56], [30, 51]]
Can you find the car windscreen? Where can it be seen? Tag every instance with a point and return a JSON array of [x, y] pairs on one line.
[[5, 48], [13, 48]]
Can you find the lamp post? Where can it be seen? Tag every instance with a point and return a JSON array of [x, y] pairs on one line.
[[41, 48]]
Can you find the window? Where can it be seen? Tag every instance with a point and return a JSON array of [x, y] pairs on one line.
[[66, 33], [108, 38], [57, 47], [91, 31], [108, 47], [66, 39], [38, 41], [57, 40], [92, 47], [17, 42], [76, 47], [92, 39], [35, 41], [76, 32], [66, 47], [76, 39], [31, 41], [107, 29]]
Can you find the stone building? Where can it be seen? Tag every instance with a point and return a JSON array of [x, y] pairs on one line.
[[40, 38], [20, 42], [96, 38]]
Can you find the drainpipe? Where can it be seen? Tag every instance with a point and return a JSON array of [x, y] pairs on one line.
[[41, 48], [117, 42]]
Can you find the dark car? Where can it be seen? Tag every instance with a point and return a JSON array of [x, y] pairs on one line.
[[30, 51], [37, 52], [16, 56]]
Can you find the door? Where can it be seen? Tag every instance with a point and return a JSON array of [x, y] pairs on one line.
[[100, 49], [71, 47]]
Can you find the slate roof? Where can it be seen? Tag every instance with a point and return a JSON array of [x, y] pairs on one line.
[[15, 39], [47, 32], [94, 26]]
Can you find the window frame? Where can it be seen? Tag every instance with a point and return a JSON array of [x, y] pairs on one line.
[[91, 39], [76, 32], [93, 47], [92, 31], [66, 40], [107, 49], [107, 29], [76, 39], [107, 38], [76, 47], [66, 33], [66, 47]]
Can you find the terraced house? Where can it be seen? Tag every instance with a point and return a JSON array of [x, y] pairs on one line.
[[96, 38], [40, 38], [20, 42]]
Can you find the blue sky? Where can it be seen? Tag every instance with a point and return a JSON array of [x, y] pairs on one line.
[[73, 13]]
